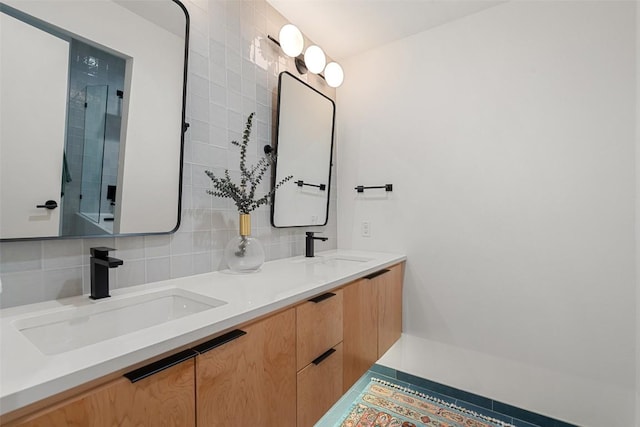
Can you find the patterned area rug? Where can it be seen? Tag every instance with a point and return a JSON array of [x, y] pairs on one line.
[[384, 404]]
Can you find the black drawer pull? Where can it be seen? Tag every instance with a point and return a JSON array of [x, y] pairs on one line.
[[322, 297], [376, 274], [217, 342], [160, 365], [323, 356]]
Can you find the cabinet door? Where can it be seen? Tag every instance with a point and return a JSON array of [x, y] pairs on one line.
[[360, 330], [165, 398], [319, 386], [251, 380], [389, 287], [319, 326]]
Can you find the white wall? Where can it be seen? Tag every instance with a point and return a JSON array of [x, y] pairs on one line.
[[509, 138]]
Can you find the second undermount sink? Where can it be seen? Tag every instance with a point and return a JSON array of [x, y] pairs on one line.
[[78, 326], [335, 260]]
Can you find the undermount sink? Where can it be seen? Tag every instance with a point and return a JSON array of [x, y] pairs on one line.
[[344, 260], [75, 327], [335, 260]]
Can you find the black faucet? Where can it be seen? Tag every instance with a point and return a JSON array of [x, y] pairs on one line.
[[309, 243], [101, 262]]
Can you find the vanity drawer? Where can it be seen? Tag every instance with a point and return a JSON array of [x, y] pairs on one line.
[[319, 386], [319, 326]]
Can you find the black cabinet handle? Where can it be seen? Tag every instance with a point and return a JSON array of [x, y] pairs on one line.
[[376, 274], [49, 204], [217, 342], [323, 356], [160, 365], [322, 297]]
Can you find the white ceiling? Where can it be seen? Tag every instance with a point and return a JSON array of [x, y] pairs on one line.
[[348, 27]]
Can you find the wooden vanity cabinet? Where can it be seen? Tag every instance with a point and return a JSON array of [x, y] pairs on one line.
[[248, 377], [389, 286], [319, 386], [165, 398], [360, 330], [286, 369], [372, 320]]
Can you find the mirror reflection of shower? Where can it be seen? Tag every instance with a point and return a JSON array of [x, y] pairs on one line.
[[89, 182]]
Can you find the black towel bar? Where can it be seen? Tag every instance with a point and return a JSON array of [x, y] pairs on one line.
[[361, 188]]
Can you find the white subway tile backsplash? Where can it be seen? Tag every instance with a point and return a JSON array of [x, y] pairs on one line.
[[201, 220], [181, 266], [198, 65], [199, 131], [217, 52], [158, 269], [21, 288], [263, 96], [201, 263], [20, 256], [218, 94], [181, 243], [218, 137], [198, 176], [199, 106], [201, 153], [130, 248], [62, 253], [130, 273], [199, 42], [201, 240], [62, 283], [234, 81], [157, 245], [248, 71], [218, 74], [200, 199], [217, 32], [234, 101], [233, 61], [218, 116], [198, 85], [186, 199]]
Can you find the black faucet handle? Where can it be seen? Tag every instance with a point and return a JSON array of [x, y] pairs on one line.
[[101, 252]]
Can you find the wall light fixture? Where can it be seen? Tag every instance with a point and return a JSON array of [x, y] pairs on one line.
[[291, 40], [314, 60]]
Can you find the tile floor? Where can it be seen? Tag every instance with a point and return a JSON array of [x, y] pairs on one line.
[[482, 405]]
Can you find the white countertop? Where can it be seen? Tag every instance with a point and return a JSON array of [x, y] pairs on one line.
[[27, 375]]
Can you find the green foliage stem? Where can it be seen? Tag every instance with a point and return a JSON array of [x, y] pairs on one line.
[[244, 194]]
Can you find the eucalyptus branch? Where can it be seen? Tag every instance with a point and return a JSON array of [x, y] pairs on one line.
[[244, 198]]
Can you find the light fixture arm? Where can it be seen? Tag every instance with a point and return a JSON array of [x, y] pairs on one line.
[[299, 60]]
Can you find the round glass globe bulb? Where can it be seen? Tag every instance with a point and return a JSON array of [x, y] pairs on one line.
[[333, 74], [314, 59], [291, 41]]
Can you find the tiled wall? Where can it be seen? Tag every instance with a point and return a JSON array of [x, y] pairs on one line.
[[233, 71]]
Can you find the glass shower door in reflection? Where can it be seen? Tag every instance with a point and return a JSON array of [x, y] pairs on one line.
[[93, 152]]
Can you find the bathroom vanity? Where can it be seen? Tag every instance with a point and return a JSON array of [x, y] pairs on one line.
[[278, 347]]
